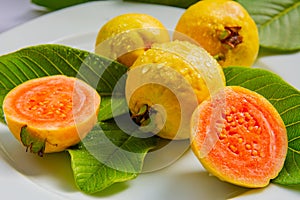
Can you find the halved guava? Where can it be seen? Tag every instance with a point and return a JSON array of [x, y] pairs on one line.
[[239, 137], [51, 113]]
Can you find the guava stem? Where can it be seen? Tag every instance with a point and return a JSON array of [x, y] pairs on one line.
[[231, 36], [142, 118]]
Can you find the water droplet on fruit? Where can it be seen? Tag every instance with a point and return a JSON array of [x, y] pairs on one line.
[[145, 69]]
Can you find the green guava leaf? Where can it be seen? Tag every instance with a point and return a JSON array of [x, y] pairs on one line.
[[111, 107], [286, 99], [109, 154], [3, 93], [278, 22], [52, 59], [58, 4], [176, 3]]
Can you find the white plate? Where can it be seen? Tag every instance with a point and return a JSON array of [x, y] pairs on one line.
[[23, 175]]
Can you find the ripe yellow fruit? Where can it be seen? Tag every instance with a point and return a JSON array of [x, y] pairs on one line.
[[166, 84], [224, 28], [127, 36]]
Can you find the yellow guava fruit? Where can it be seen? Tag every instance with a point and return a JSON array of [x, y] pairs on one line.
[[224, 28], [127, 36], [167, 82]]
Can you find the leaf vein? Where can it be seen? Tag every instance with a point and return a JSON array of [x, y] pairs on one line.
[[34, 61], [284, 98], [9, 79], [46, 58], [281, 13], [295, 138], [292, 124], [20, 68], [289, 109]]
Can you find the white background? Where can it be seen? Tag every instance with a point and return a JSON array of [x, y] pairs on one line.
[[16, 12]]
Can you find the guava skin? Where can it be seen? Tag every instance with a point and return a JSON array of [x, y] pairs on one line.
[[171, 79], [127, 36], [224, 28], [168, 109]]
